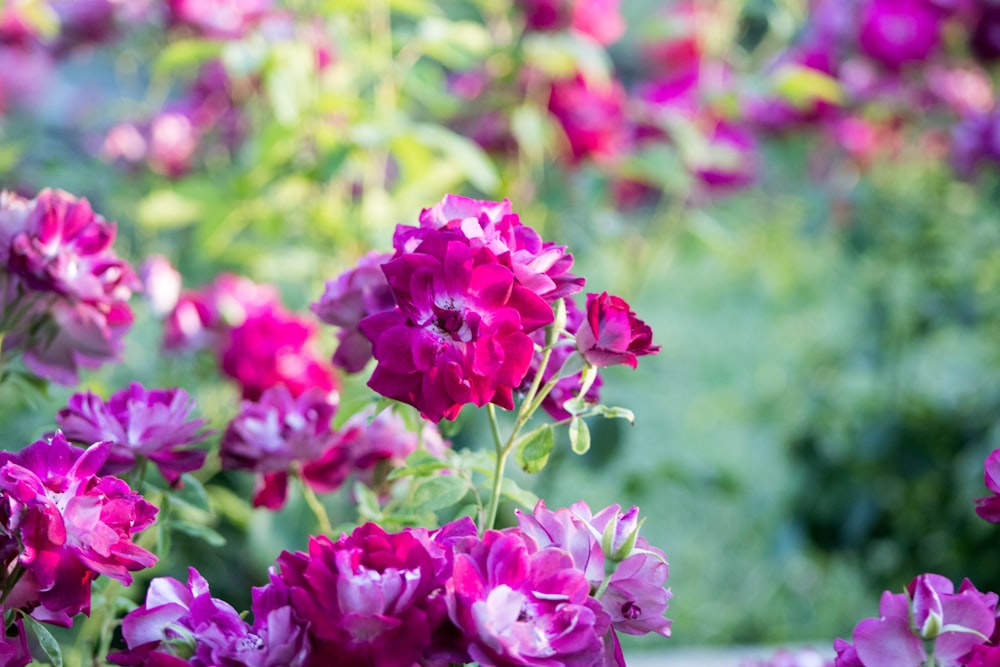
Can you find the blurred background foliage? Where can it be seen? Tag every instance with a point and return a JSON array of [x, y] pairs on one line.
[[814, 429]]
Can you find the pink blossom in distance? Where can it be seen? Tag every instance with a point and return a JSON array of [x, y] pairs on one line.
[[280, 432], [153, 424], [895, 32]]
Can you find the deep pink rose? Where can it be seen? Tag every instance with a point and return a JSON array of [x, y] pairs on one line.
[[153, 424], [592, 116], [611, 333], [460, 331], [374, 598], [272, 348], [989, 507], [65, 526]]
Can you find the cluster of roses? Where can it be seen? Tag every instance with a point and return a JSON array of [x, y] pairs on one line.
[[458, 314], [35, 37], [552, 592], [65, 291], [850, 57]]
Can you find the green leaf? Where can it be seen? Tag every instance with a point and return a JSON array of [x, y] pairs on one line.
[[418, 464], [199, 531], [512, 491], [163, 538], [563, 55], [45, 640], [380, 407], [455, 44], [439, 492], [579, 435], [614, 413], [533, 449], [191, 493], [369, 508]]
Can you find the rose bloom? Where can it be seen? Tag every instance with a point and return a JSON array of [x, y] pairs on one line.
[[600, 20], [592, 116], [908, 621], [280, 432], [374, 598], [517, 604], [541, 266], [459, 333], [65, 526], [611, 333], [989, 507], [183, 625], [272, 348], [65, 290], [635, 598], [138, 423]]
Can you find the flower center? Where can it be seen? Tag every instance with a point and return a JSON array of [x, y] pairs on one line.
[[631, 611]]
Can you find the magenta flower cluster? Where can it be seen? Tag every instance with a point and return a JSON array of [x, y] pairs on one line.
[[424, 597], [462, 304], [65, 291]]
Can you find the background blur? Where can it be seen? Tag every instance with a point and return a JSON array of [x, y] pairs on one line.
[[800, 199]]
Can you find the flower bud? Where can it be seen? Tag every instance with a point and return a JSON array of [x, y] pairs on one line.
[[620, 535], [928, 614]]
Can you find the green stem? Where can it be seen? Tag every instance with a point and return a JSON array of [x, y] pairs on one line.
[[604, 586], [503, 451], [317, 508]]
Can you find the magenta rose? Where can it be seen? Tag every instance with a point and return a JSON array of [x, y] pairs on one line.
[[374, 598], [989, 507], [895, 32], [611, 333], [460, 331], [592, 116], [65, 526], [152, 424], [517, 604]]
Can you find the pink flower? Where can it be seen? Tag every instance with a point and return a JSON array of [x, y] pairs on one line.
[[279, 432], [225, 19], [611, 333], [929, 611], [635, 598], [989, 507], [460, 331], [181, 625], [374, 598], [517, 604], [273, 348], [150, 424], [541, 266], [65, 526], [202, 318], [895, 32], [592, 116], [354, 295], [600, 20], [66, 291]]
